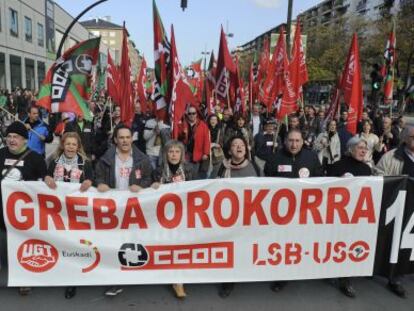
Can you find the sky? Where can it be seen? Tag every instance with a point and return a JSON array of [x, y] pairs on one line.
[[197, 28]]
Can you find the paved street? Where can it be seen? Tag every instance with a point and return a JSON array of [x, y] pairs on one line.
[[301, 295]]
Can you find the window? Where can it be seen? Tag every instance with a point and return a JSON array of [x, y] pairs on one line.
[[14, 28], [15, 71], [112, 34], [104, 34], [30, 73], [112, 42], [28, 29], [95, 32], [105, 41], [40, 35], [2, 71]]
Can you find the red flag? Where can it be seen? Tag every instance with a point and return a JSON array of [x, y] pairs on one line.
[[334, 106], [225, 67], [263, 65], [126, 104], [288, 102], [113, 80], [298, 63], [251, 84], [181, 94], [140, 86], [351, 86], [273, 84], [211, 72]]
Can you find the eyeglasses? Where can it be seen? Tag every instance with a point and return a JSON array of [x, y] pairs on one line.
[[191, 113]]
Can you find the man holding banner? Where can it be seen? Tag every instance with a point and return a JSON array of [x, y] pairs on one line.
[[17, 162]]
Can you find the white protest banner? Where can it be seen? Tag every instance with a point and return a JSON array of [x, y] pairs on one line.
[[227, 230]]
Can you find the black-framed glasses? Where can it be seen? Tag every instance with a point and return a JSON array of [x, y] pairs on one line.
[[191, 113]]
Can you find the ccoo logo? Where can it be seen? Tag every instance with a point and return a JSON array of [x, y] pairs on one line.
[[37, 256]]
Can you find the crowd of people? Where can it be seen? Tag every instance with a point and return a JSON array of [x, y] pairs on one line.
[[108, 154]]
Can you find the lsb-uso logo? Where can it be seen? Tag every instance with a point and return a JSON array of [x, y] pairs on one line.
[[37, 255], [161, 257]]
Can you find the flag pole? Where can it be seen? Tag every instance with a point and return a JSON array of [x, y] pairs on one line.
[[20, 121], [74, 21]]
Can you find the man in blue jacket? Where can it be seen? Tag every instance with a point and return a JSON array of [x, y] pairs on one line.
[[33, 123]]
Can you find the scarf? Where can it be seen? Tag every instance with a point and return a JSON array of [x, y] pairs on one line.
[[173, 173], [229, 166], [67, 170]]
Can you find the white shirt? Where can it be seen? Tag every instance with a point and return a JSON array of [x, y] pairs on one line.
[[122, 171], [256, 125]]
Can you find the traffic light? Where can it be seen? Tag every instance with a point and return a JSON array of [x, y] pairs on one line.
[[376, 78], [183, 4]]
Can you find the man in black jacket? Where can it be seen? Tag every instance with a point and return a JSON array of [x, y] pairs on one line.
[[17, 163], [293, 161], [123, 167]]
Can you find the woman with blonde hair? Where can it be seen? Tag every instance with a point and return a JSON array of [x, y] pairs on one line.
[[173, 169], [70, 164]]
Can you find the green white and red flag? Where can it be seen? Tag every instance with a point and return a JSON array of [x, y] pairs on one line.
[[162, 49], [66, 87], [195, 79], [388, 69]]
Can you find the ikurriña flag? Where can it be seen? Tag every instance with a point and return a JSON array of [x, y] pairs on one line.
[[66, 87], [388, 69]]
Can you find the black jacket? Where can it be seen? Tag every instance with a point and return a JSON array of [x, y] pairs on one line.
[[141, 167], [87, 135], [284, 164], [348, 165]]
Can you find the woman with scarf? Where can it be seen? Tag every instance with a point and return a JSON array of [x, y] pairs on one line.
[[70, 164], [373, 142], [328, 146], [173, 169], [236, 164]]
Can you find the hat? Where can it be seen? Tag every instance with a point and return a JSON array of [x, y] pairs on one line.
[[270, 121], [17, 128]]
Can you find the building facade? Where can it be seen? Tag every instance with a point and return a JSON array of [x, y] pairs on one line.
[[30, 34], [329, 12], [112, 36]]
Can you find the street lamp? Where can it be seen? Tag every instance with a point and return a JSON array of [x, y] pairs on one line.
[[183, 4], [289, 26]]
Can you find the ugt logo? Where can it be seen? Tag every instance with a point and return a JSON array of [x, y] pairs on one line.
[[133, 255]]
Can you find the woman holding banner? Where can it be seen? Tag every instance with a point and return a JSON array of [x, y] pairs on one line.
[[70, 164], [236, 164], [173, 169], [352, 164]]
